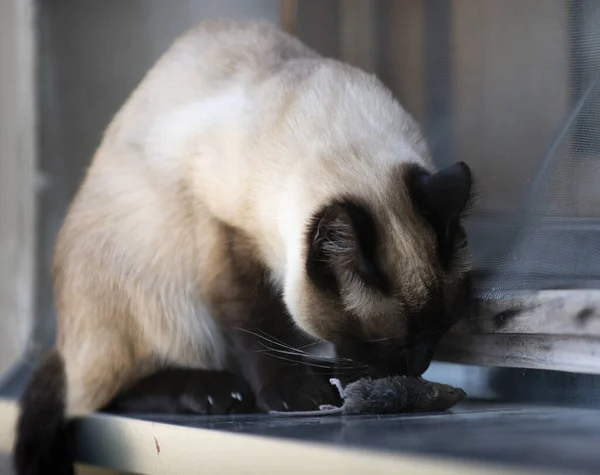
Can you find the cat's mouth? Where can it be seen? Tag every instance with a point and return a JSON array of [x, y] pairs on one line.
[[409, 364], [414, 369], [388, 360]]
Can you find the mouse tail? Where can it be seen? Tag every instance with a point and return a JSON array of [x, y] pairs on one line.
[[42, 445], [324, 410]]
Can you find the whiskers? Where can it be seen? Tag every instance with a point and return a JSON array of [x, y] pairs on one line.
[[377, 340], [280, 350]]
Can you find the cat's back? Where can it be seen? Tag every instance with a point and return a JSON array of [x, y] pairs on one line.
[[209, 59], [235, 46], [210, 83], [181, 129]]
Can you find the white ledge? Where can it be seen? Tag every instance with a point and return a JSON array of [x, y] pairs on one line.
[[146, 447]]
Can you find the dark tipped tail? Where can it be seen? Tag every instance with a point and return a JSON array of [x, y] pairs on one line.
[[42, 445]]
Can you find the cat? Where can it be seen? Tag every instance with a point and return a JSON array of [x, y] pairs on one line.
[[249, 198]]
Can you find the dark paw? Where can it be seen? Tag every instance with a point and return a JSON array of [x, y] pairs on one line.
[[218, 393], [181, 391], [297, 389]]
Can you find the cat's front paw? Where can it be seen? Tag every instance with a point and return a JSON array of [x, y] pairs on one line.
[[297, 389], [187, 391], [217, 393]]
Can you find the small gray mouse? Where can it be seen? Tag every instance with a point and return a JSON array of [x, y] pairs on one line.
[[391, 395]]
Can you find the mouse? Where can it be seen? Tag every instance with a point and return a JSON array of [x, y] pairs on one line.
[[389, 395]]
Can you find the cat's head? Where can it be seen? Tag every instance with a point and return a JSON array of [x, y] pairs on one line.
[[386, 278]]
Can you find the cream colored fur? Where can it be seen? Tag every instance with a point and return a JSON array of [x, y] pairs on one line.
[[238, 124]]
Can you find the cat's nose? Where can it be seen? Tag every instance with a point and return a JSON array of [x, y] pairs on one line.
[[398, 364], [418, 365], [419, 359], [377, 371]]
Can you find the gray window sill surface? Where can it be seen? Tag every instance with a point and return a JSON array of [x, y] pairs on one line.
[[474, 438]]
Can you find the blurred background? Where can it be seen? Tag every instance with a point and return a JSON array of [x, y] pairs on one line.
[[510, 87]]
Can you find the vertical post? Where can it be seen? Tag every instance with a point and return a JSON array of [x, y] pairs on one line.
[[17, 173], [288, 16], [357, 34], [438, 73], [401, 40]]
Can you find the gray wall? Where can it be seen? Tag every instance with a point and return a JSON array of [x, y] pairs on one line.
[[17, 155]]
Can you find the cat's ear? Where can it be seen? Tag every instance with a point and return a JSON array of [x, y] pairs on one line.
[[334, 236], [342, 244], [443, 195]]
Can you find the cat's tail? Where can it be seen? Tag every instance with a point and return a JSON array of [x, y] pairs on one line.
[[42, 445]]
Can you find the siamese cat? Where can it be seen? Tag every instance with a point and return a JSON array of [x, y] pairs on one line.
[[249, 191]]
